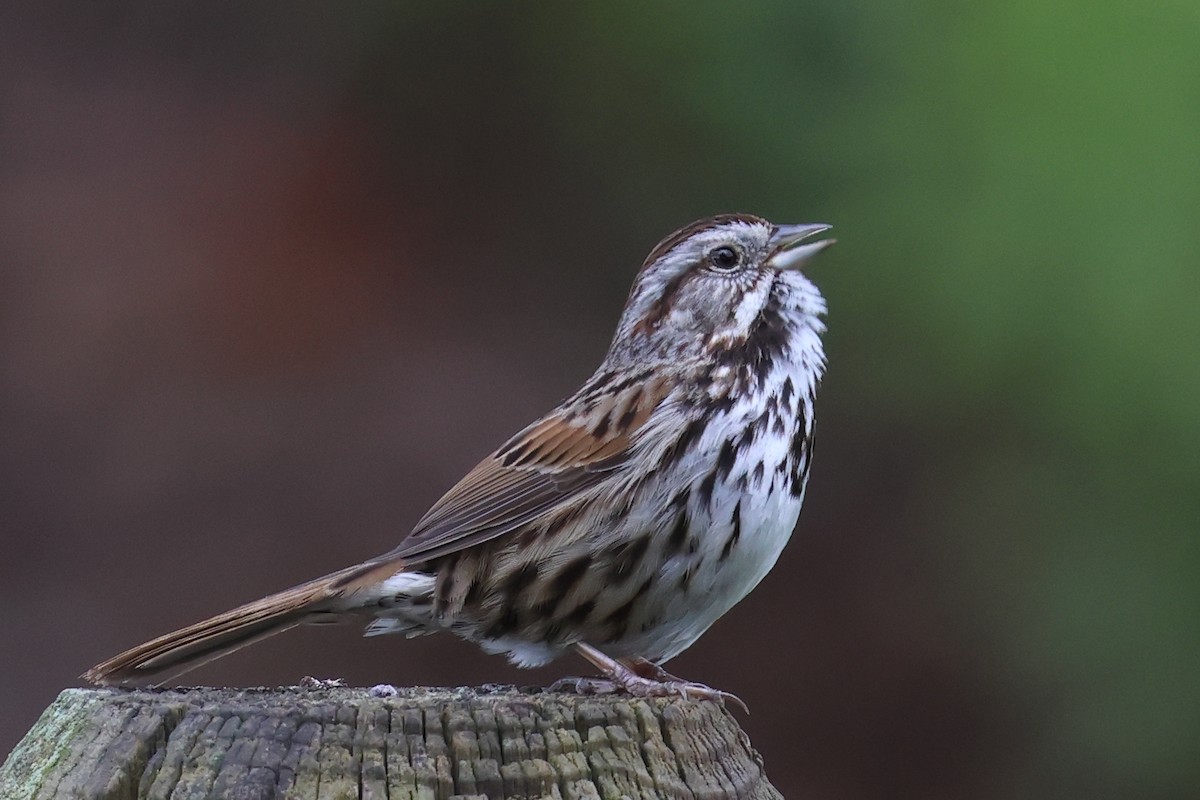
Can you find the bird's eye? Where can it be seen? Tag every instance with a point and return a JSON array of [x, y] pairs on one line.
[[724, 258]]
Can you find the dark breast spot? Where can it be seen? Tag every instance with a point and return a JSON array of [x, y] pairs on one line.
[[685, 580], [756, 427], [569, 575], [801, 442], [800, 455], [618, 619], [678, 536], [754, 358], [579, 615], [627, 556], [799, 477], [726, 458], [735, 535], [786, 395], [680, 500], [705, 490], [692, 432], [518, 580]]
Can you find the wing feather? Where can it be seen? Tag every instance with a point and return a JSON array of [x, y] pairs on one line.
[[551, 463]]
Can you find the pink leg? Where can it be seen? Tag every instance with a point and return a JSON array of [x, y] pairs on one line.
[[642, 678]]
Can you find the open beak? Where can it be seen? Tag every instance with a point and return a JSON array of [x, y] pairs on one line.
[[790, 249]]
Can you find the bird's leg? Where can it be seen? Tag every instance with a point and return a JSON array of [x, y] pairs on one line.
[[650, 670], [657, 683]]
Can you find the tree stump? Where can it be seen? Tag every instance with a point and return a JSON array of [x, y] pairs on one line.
[[345, 744]]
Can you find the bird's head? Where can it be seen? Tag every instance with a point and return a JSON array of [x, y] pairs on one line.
[[715, 284]]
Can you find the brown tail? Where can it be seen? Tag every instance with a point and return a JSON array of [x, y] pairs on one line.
[[187, 648]]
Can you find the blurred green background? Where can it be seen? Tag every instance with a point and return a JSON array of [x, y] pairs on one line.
[[274, 275]]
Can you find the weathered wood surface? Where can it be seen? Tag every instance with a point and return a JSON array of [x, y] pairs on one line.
[[344, 744]]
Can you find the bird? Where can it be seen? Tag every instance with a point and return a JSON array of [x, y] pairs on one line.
[[623, 523]]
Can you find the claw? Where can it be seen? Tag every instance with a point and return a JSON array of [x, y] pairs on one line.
[[642, 678], [699, 690]]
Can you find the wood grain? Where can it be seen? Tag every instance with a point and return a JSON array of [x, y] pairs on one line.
[[345, 744]]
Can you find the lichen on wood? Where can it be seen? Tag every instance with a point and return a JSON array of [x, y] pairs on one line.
[[345, 744]]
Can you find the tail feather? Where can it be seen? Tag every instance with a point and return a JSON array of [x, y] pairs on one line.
[[183, 650]]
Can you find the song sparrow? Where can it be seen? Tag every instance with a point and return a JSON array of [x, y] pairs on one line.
[[627, 520]]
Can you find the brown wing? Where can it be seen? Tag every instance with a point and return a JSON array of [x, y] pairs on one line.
[[545, 466]]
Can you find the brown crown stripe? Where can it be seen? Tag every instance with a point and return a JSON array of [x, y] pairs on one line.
[[664, 247]]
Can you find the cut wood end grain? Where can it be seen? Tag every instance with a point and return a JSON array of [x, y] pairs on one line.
[[319, 743]]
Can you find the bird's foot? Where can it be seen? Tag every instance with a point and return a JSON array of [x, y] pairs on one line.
[[637, 686], [648, 687], [642, 678]]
